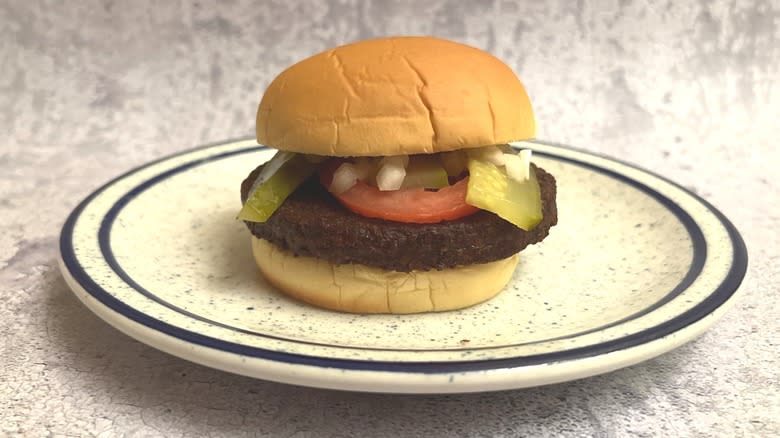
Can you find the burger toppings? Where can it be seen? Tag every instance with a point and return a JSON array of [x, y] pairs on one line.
[[493, 190], [313, 223], [425, 171], [490, 154], [411, 205], [344, 178], [415, 189], [279, 178], [392, 172], [518, 166]]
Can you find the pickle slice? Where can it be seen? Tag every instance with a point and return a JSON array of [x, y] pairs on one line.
[[491, 189], [426, 172], [287, 171]]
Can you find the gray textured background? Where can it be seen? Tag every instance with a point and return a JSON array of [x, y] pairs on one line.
[[90, 89]]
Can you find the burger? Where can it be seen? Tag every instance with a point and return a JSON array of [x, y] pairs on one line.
[[393, 188]]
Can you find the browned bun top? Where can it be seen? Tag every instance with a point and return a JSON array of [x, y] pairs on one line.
[[389, 96]]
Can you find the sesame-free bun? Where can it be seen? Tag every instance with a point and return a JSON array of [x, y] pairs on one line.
[[390, 96], [363, 289]]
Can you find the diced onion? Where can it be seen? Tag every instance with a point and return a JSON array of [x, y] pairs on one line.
[[271, 167], [525, 155], [491, 154], [344, 178], [514, 167], [518, 166], [391, 175]]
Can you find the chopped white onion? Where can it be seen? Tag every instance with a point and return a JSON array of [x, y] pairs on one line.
[[525, 154], [514, 167], [491, 154], [518, 166], [391, 175], [344, 178], [271, 167]]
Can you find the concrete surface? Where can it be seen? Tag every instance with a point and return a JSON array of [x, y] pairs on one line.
[[91, 89]]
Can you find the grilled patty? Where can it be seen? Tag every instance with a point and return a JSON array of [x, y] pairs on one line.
[[311, 222]]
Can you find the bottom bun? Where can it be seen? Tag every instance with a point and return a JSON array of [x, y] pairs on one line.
[[364, 289]]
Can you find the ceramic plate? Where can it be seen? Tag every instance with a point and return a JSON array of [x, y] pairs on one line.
[[636, 266]]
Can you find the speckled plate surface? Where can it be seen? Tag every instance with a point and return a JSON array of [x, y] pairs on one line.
[[636, 266]]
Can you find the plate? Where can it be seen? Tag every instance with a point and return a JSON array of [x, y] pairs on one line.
[[636, 266]]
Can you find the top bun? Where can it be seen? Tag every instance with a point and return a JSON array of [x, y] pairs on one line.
[[393, 96]]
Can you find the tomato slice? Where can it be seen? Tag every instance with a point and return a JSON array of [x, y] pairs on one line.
[[412, 205]]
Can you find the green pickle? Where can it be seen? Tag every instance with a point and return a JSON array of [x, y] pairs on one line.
[[425, 172], [491, 189], [291, 170]]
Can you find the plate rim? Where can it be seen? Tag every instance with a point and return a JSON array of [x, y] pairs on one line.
[[720, 295]]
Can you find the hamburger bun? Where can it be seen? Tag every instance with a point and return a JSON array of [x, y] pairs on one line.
[[392, 96], [363, 289]]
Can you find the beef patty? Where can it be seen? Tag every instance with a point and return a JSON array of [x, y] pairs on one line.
[[311, 222]]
